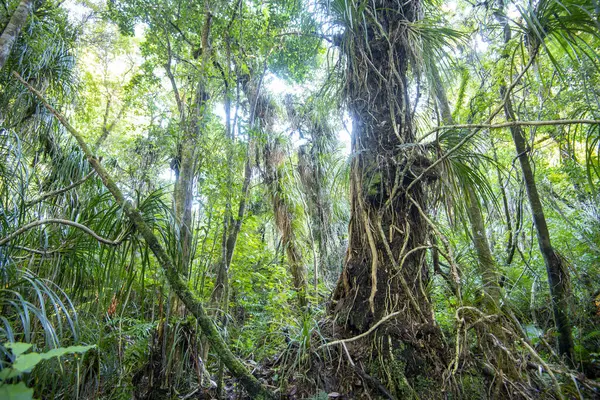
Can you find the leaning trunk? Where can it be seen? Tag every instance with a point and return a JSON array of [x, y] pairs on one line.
[[179, 286], [12, 30]]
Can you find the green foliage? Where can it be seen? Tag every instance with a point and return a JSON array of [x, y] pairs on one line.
[[22, 363], [16, 391]]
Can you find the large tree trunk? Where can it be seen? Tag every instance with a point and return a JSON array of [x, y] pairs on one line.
[[12, 30], [385, 269]]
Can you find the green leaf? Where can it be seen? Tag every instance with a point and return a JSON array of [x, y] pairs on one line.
[[18, 348], [26, 362], [8, 373], [61, 351], [17, 391]]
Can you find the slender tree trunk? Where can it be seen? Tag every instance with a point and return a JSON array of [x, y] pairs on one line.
[[11, 32], [284, 219], [312, 176], [183, 199], [188, 154], [558, 277], [440, 95], [232, 230], [311, 171], [262, 117], [511, 236], [191, 125], [488, 270], [231, 226], [486, 263]]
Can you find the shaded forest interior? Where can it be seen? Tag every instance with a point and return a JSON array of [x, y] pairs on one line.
[[299, 199]]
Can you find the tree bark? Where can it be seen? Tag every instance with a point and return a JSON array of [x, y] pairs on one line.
[[385, 270], [184, 185], [11, 32]]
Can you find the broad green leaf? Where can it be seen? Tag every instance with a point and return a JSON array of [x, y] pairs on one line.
[[8, 373], [18, 348], [61, 351], [26, 362], [17, 391]]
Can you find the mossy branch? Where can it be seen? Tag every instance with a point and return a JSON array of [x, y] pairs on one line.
[[235, 366]]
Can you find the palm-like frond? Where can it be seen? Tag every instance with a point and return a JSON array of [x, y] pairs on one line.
[[34, 309], [570, 26], [464, 169], [431, 42]]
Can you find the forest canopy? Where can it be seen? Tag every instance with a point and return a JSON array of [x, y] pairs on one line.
[[299, 199]]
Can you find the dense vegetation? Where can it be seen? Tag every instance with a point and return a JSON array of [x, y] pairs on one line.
[[300, 199]]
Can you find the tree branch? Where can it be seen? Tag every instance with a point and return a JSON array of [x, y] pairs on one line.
[[77, 225], [58, 191], [362, 335], [511, 124], [37, 251]]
